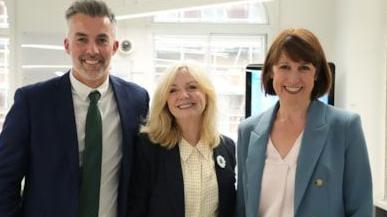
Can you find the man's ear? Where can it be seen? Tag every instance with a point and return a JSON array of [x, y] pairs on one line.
[[66, 45], [115, 46]]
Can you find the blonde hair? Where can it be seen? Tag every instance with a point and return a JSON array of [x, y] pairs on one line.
[[161, 126]]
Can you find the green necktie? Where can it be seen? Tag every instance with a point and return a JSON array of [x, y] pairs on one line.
[[91, 162]]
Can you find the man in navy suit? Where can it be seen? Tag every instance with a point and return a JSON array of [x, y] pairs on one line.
[[43, 137]]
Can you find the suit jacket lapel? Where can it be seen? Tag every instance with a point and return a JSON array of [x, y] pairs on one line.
[[174, 180], [123, 101], [64, 113], [128, 124], [312, 144], [221, 176], [255, 161]]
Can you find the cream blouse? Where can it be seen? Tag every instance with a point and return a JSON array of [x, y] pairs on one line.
[[200, 183], [278, 179]]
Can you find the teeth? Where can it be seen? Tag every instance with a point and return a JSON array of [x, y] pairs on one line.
[[184, 106], [91, 62], [293, 89]]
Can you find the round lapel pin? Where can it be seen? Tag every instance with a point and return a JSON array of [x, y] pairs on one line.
[[220, 161]]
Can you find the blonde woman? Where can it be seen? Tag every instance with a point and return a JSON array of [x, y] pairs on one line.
[[184, 167]]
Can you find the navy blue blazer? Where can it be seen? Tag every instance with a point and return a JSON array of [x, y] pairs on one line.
[[158, 187], [39, 142], [333, 177]]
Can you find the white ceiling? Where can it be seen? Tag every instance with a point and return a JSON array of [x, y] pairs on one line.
[[48, 15], [138, 7]]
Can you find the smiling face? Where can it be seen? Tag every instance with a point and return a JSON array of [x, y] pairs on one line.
[[186, 101], [293, 82], [91, 43]]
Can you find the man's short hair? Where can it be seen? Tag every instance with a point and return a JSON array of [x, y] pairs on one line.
[[93, 8]]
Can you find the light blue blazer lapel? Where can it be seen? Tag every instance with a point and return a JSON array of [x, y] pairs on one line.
[[313, 142], [255, 160]]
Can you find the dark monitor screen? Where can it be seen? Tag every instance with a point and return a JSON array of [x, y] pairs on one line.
[[256, 101]]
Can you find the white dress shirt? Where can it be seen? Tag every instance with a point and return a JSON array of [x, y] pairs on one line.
[[278, 180], [200, 183], [111, 140]]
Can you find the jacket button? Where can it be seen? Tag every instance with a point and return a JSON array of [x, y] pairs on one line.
[[318, 183]]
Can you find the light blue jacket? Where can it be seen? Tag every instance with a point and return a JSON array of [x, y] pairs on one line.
[[333, 177]]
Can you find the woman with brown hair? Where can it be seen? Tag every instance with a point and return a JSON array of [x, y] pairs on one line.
[[301, 157]]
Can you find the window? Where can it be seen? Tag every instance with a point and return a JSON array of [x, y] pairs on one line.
[[3, 15], [172, 48], [4, 62]]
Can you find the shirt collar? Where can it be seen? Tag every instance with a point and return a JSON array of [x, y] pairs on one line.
[[187, 149], [83, 90]]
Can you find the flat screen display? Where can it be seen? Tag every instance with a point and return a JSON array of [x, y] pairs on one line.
[[256, 101]]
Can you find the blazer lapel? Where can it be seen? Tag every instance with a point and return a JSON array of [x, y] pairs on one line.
[[221, 176], [312, 144], [174, 180], [123, 100], [64, 113], [255, 161]]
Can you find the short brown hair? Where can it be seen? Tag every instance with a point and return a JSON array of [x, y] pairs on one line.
[[298, 44], [93, 8]]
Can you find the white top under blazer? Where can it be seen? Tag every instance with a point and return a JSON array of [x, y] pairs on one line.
[[278, 179]]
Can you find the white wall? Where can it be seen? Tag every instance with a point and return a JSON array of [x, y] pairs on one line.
[[385, 136], [361, 85], [319, 16], [140, 61]]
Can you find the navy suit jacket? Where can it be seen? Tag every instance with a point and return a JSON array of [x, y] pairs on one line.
[[333, 177], [39, 143], [158, 187]]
